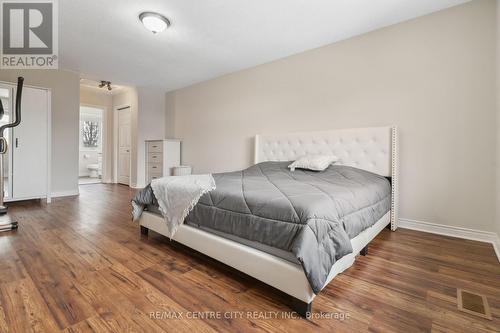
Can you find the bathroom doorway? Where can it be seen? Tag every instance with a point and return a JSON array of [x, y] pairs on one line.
[[91, 144]]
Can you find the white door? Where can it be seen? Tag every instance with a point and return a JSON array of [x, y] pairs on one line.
[[124, 146], [29, 146]]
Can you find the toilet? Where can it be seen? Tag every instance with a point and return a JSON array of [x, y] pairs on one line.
[[95, 169]]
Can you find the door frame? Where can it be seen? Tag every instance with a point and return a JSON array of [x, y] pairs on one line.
[[49, 136], [116, 143], [105, 139]]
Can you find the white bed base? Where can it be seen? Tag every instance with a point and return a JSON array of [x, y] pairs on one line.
[[372, 149], [274, 271]]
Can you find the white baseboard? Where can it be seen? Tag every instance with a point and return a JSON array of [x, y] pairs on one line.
[[65, 193], [446, 230]]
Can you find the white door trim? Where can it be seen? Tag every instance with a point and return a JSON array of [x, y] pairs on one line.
[[49, 145]]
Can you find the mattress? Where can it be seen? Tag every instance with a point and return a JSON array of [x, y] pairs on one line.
[[312, 215]]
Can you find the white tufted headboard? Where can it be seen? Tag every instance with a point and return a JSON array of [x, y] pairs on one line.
[[373, 149]]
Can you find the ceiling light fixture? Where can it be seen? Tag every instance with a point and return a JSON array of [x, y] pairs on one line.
[[154, 22], [106, 84]]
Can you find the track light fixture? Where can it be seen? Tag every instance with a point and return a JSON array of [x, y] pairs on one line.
[[105, 84]]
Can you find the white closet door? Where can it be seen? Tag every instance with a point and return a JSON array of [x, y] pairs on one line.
[[6, 95], [124, 146], [29, 145]]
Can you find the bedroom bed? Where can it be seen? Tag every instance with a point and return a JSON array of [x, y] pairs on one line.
[[245, 233]]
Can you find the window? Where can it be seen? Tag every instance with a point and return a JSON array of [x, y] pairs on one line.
[[91, 134]]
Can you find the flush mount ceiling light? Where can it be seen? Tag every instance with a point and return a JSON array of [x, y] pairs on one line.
[[154, 22]]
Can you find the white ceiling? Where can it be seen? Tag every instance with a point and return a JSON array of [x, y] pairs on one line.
[[208, 38]]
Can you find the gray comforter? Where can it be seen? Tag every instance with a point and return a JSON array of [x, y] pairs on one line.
[[311, 214]]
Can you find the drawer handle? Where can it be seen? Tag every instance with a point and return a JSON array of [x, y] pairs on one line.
[[154, 167], [155, 146], [154, 156]]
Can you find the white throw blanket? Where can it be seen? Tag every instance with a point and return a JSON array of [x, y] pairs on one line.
[[177, 196]]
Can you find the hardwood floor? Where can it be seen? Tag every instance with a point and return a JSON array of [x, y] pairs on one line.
[[81, 265]]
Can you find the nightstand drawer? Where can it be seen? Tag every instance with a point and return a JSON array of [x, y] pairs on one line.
[[155, 147], [151, 177], [155, 158], [155, 168]]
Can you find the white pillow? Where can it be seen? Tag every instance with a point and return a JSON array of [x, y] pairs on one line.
[[314, 162]]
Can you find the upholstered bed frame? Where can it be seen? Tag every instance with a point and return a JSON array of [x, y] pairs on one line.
[[372, 149]]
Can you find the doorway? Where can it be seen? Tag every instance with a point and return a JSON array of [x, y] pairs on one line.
[[123, 143], [91, 145]]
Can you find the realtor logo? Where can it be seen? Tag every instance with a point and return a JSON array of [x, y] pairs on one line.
[[29, 34]]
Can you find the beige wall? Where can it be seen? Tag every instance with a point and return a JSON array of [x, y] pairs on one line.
[[93, 97], [498, 119], [434, 77], [147, 123], [150, 125], [65, 112], [170, 115]]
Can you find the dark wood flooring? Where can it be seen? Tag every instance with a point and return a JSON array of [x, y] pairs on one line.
[[81, 265]]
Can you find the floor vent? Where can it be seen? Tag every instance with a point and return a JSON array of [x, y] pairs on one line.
[[473, 303]]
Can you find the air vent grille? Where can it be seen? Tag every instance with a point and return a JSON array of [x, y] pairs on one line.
[[473, 303]]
